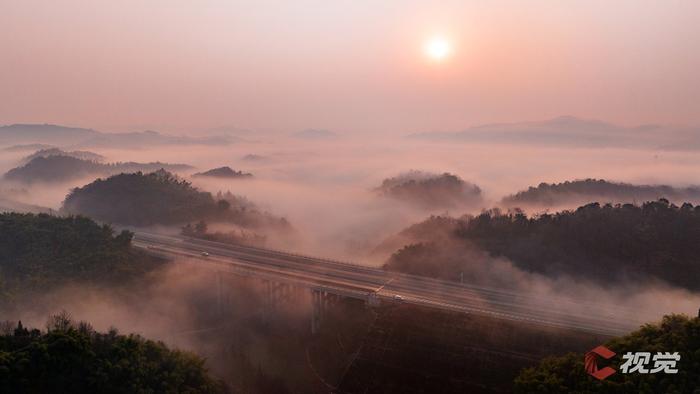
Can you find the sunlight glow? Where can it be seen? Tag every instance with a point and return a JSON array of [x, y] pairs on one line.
[[437, 48]]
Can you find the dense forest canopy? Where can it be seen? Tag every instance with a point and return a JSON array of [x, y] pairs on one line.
[[431, 190], [566, 374], [41, 251], [143, 199], [583, 191], [602, 243], [74, 358], [161, 198], [57, 168]]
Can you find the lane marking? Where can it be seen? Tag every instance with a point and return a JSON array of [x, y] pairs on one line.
[[382, 286]]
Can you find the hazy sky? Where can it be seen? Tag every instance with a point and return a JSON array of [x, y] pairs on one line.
[[349, 66]]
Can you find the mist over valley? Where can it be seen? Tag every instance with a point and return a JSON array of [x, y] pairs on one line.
[[349, 198]]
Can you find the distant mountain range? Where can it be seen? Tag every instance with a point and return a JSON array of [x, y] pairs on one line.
[[315, 134], [27, 147], [44, 134], [574, 132], [72, 137], [253, 157], [59, 168]]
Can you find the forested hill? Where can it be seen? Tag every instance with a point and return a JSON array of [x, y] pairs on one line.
[[584, 191], [601, 243], [41, 251], [161, 198], [78, 154], [73, 358], [57, 168], [223, 172], [431, 191], [566, 374]]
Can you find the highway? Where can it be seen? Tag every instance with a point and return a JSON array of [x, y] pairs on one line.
[[363, 282]]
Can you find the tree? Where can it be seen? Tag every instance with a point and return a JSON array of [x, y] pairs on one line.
[[124, 238], [73, 358], [431, 190], [200, 228], [160, 197], [223, 205], [41, 251], [187, 230], [597, 242], [675, 333]]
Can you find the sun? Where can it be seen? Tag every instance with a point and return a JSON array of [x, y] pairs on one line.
[[437, 48]]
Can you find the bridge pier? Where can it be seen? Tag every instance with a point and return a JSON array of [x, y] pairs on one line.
[[219, 293], [320, 303], [372, 300], [275, 294], [316, 311]]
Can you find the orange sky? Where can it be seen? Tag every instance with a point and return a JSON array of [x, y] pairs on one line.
[[349, 66]]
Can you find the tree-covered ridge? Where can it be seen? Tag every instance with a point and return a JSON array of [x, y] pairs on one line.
[[223, 172], [63, 136], [74, 358], [78, 154], [142, 199], [431, 190], [161, 198], [583, 191], [27, 147], [675, 333], [602, 243], [39, 251], [57, 168], [52, 169]]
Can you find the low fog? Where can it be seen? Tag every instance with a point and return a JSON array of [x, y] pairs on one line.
[[182, 305], [325, 187]]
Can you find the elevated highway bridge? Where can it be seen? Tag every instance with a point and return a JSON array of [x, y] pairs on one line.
[[375, 285]]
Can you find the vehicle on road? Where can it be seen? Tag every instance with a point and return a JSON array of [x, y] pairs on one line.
[[398, 297], [204, 254]]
